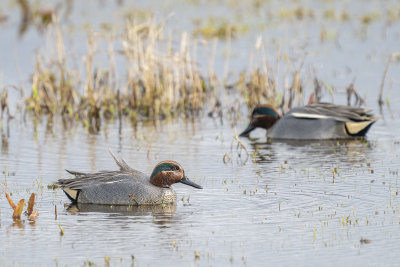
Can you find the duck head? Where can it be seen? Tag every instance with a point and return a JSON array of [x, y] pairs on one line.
[[169, 172], [263, 116]]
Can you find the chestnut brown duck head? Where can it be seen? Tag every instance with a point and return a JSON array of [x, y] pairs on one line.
[[169, 172], [263, 116]]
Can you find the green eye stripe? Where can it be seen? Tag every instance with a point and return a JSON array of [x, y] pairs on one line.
[[165, 166], [265, 111]]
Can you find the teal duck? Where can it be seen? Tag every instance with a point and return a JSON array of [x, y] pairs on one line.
[[319, 121], [126, 186]]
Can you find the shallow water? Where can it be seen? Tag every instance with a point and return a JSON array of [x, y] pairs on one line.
[[283, 206], [312, 203]]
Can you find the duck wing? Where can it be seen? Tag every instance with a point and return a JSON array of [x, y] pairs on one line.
[[337, 112], [82, 180]]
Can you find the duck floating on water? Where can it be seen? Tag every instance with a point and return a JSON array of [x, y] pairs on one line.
[[320, 121], [126, 186]]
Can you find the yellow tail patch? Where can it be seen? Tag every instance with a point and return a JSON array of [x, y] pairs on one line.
[[72, 193], [356, 127]]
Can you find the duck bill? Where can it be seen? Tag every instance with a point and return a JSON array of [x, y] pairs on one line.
[[186, 181], [248, 130]]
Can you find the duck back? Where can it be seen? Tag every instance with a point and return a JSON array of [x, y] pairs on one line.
[[323, 121]]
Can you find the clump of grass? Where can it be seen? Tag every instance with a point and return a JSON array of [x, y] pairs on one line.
[[330, 14], [369, 17], [393, 15], [258, 88], [261, 85], [218, 28], [161, 78], [297, 13]]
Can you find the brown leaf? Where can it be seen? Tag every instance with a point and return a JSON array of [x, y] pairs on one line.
[[33, 216], [9, 199], [18, 210], [31, 203]]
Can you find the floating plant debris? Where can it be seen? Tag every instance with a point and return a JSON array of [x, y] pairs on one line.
[[32, 214], [9, 199], [31, 202], [196, 255], [18, 209], [61, 229], [365, 241]]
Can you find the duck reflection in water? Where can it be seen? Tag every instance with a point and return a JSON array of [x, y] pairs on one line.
[[124, 210], [344, 151]]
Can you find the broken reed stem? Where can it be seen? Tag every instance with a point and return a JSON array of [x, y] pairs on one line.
[[61, 229], [390, 59], [275, 75], [31, 203], [227, 55], [9, 199], [239, 148]]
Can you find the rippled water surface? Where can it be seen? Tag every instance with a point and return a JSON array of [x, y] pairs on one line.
[[328, 203], [285, 205]]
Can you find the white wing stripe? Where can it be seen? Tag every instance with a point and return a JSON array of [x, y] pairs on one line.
[[309, 116]]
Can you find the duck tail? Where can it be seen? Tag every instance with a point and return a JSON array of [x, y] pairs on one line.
[[120, 162], [72, 194], [359, 128], [77, 174]]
